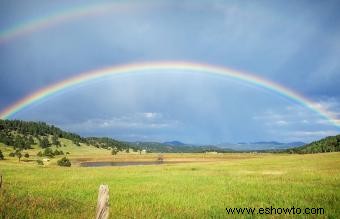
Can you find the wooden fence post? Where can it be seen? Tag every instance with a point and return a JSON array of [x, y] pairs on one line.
[[103, 202], [0, 181]]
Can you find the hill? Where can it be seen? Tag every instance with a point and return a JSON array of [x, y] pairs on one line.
[[328, 144], [22, 135], [174, 143]]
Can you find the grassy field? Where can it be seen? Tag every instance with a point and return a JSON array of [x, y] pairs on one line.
[[201, 189]]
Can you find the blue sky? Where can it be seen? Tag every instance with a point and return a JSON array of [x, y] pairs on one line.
[[293, 43]]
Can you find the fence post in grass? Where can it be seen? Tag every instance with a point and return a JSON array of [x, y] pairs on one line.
[[103, 202], [0, 181]]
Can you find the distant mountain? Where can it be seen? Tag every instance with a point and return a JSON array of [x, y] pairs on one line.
[[174, 143], [176, 147], [328, 144], [268, 143], [297, 143], [260, 145]]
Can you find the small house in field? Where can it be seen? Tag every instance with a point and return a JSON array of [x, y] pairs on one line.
[[211, 152]]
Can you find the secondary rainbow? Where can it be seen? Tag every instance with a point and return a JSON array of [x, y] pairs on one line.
[[54, 18], [160, 67]]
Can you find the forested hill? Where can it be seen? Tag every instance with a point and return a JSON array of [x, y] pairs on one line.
[[23, 135], [328, 144]]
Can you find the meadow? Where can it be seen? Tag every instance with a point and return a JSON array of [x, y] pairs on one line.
[[201, 188]]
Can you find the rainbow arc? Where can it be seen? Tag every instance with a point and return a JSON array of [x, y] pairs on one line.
[[162, 67]]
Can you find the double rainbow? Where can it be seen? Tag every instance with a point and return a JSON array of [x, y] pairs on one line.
[[51, 19], [161, 67], [100, 8]]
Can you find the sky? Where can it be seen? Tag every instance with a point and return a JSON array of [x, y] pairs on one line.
[[293, 43]]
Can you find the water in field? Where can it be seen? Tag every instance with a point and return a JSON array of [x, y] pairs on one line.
[[128, 163]]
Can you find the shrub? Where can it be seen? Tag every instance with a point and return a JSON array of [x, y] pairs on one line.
[[114, 151], [39, 154], [56, 152], [64, 162], [26, 155], [160, 158], [40, 162], [12, 154], [1, 155], [48, 152]]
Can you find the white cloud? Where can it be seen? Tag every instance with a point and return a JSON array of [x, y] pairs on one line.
[[298, 114], [151, 115], [281, 123], [146, 120], [317, 134]]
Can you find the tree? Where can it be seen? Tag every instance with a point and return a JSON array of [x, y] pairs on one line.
[[56, 152], [19, 155], [48, 152], [12, 154], [31, 140], [1, 156], [55, 140], [64, 162], [40, 162], [44, 143], [114, 151], [76, 142]]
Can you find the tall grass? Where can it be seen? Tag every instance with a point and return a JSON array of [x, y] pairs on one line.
[[187, 190]]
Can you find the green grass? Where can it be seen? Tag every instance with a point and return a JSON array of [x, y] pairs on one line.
[[188, 190]]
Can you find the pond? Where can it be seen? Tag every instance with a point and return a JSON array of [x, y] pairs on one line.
[[127, 163]]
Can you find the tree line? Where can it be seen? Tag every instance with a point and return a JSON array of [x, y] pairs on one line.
[[328, 144], [22, 135]]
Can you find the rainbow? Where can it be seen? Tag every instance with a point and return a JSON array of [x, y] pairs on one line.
[[24, 28], [166, 66]]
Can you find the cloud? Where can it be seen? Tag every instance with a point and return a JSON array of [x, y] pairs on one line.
[[136, 121], [151, 115], [314, 134], [297, 114], [273, 40], [281, 123]]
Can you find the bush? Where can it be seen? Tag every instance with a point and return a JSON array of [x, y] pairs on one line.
[[160, 158], [56, 152], [1, 155], [64, 162], [40, 162], [12, 154], [114, 151], [39, 154], [26, 155], [48, 152]]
